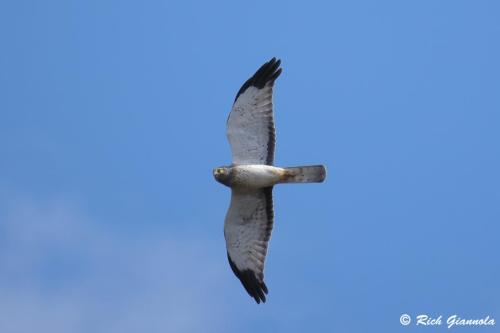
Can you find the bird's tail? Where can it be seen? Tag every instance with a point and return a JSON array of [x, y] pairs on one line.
[[304, 174]]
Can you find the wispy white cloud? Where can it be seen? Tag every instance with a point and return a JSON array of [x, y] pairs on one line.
[[60, 271]]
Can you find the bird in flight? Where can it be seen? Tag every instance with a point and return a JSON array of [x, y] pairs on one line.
[[251, 177]]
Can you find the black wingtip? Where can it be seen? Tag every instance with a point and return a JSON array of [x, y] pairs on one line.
[[255, 287], [267, 73]]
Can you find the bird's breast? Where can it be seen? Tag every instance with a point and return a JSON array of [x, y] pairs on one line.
[[255, 176]]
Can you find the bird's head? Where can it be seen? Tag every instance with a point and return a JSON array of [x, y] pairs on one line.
[[223, 175]]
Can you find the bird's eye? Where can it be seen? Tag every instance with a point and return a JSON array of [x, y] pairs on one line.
[[219, 170]]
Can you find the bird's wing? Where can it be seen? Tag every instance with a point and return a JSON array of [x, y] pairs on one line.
[[247, 229], [250, 126]]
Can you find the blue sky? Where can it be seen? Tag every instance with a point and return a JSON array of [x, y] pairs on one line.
[[112, 116]]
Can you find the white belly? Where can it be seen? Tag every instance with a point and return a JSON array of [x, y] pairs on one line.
[[256, 176]]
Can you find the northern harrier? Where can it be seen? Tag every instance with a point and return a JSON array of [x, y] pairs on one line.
[[251, 177]]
